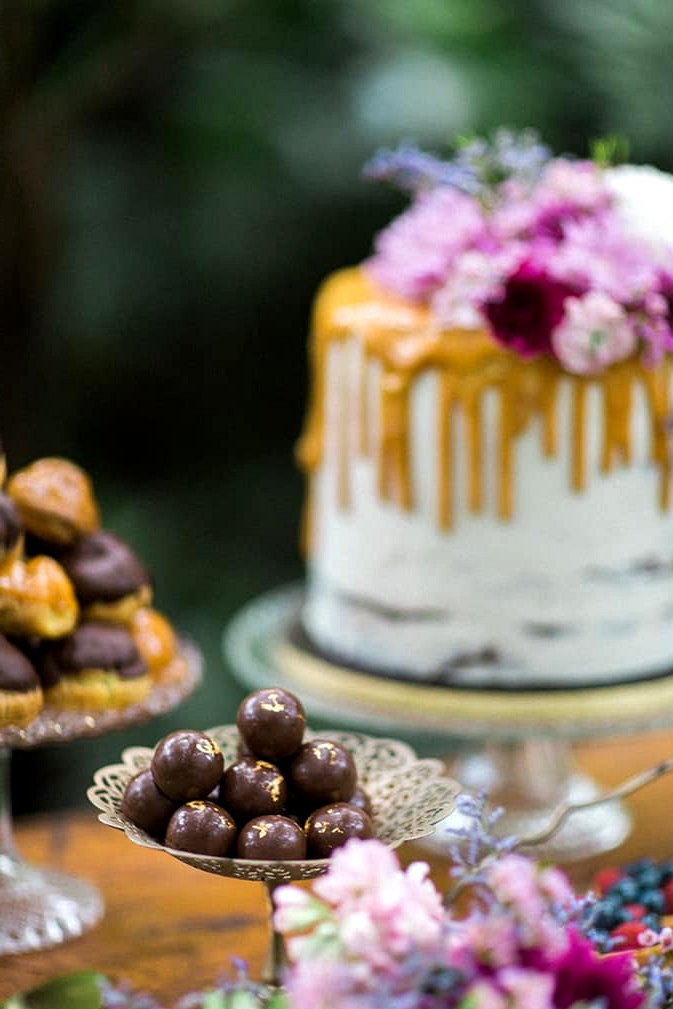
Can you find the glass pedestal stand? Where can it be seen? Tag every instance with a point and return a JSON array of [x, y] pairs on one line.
[[515, 745], [38, 907], [41, 907], [529, 780]]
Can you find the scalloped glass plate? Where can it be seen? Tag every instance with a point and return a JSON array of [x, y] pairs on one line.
[[410, 796], [56, 725]]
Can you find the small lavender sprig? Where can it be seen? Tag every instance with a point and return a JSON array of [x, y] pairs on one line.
[[474, 846], [413, 170], [478, 165]]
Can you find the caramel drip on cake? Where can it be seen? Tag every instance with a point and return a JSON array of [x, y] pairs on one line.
[[404, 342]]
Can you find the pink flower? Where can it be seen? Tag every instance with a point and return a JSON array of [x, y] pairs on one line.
[[595, 332], [579, 184], [417, 251], [531, 306], [477, 277], [582, 976], [597, 254], [525, 988], [355, 870]]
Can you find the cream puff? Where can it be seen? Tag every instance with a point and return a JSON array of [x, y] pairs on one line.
[[55, 499], [21, 697], [110, 581], [158, 645], [37, 599], [95, 668]]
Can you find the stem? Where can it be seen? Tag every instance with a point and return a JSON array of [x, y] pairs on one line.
[[627, 787], [275, 960], [560, 815]]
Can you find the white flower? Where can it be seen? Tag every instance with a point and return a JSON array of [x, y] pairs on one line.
[[644, 201]]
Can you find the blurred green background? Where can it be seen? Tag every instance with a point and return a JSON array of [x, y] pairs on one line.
[[177, 176]]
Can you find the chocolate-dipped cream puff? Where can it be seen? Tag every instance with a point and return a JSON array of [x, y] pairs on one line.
[[21, 697], [11, 529], [56, 500], [110, 581], [95, 668]]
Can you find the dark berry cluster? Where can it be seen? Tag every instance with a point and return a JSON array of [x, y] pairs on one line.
[[629, 900]]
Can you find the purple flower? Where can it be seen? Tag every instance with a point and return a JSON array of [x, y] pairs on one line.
[[582, 976], [529, 310]]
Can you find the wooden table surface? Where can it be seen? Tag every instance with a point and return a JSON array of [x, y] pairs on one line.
[[169, 928]]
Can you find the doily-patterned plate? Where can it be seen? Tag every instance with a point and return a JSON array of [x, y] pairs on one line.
[[409, 797]]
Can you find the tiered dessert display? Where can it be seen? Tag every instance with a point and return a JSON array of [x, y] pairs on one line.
[[82, 651], [487, 526], [267, 799]]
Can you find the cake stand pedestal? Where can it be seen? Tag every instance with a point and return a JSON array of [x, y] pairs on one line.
[[517, 746], [40, 907]]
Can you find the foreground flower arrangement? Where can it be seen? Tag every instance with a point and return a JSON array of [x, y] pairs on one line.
[[509, 933], [568, 258]]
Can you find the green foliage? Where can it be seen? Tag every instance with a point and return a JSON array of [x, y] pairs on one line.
[[80, 990]]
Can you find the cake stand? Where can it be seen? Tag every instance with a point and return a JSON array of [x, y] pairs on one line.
[[40, 908], [409, 796], [514, 745]]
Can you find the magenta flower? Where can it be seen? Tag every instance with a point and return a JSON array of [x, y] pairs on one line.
[[531, 307], [584, 977]]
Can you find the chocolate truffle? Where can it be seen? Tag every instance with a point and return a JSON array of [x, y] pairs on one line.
[[360, 799], [146, 805], [271, 723], [202, 828], [322, 771], [330, 827], [271, 837], [252, 787], [187, 764]]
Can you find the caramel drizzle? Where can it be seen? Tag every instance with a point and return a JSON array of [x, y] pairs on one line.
[[404, 343]]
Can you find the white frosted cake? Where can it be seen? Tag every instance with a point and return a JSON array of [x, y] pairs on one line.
[[486, 448]]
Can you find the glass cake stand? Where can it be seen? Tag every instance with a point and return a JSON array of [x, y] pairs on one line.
[[409, 796], [514, 745], [40, 908]]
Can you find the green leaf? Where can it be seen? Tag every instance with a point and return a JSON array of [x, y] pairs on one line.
[[80, 990]]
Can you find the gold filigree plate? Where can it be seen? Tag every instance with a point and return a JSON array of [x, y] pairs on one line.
[[409, 796]]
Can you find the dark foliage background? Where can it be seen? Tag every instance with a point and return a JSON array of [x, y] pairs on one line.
[[175, 178]]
